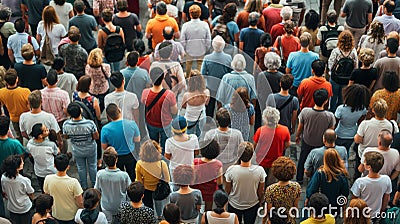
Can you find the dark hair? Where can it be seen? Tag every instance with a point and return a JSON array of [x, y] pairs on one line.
[[135, 191], [266, 40], [375, 160], [331, 16], [59, 2], [161, 8], [116, 79], [52, 77], [319, 202], [390, 81], [122, 5], [42, 203], [11, 77], [132, 58], [165, 49], [172, 213], [138, 45], [107, 15], [168, 35], [183, 175], [156, 76], [58, 63], [84, 84], [286, 81], [390, 6], [4, 125], [74, 110], [37, 130], [357, 97], [320, 96], [248, 150], [211, 150], [223, 117], [79, 6], [318, 66], [10, 166], [220, 200], [113, 111], [19, 25], [110, 157], [228, 13], [312, 19], [90, 198], [61, 162], [393, 45]]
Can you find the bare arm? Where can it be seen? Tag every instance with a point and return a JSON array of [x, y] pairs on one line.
[[95, 135], [299, 132], [369, 18], [260, 193], [241, 45], [97, 108], [138, 28], [343, 14], [136, 139], [79, 201], [394, 175], [228, 187], [396, 198], [174, 109], [252, 119], [361, 168], [385, 202], [104, 145], [11, 55], [24, 134], [71, 14], [372, 85], [358, 139], [294, 119], [288, 70]]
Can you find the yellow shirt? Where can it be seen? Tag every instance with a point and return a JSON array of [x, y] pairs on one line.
[[149, 173], [16, 101], [329, 219]]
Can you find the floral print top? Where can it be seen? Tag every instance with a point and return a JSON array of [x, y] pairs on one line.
[[99, 81]]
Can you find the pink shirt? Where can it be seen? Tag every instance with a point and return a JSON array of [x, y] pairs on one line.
[[99, 82], [54, 101]]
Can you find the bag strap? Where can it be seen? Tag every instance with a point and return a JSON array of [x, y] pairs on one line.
[[162, 173], [205, 217], [392, 127], [285, 103], [280, 46], [30, 40], [197, 121], [106, 30], [159, 95], [104, 73]]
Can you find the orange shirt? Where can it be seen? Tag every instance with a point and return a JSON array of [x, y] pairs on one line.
[[156, 26], [16, 101], [307, 88]]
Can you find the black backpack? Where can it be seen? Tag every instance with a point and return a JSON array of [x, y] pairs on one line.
[[329, 40], [86, 113], [342, 69], [115, 47]]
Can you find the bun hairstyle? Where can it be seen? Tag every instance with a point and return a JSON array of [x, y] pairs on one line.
[[220, 200]]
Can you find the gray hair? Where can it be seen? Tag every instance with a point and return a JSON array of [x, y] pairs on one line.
[[238, 63], [5, 13], [218, 43], [271, 117], [286, 13], [272, 61]]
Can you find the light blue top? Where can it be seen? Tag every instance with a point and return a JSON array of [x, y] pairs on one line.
[[347, 126], [214, 67], [136, 80], [231, 81], [390, 23], [15, 43], [119, 134], [300, 63]]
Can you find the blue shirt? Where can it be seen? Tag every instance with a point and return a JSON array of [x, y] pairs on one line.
[[231, 81], [119, 134], [390, 23], [136, 80], [15, 43], [300, 64], [214, 67], [232, 27], [251, 39], [348, 120]]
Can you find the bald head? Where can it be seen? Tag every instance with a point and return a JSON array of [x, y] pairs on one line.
[[168, 33], [394, 35], [330, 136], [385, 138]]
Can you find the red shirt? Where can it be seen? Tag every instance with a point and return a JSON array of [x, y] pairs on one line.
[[160, 115], [290, 44], [206, 175], [144, 62], [270, 144], [272, 16], [307, 88]]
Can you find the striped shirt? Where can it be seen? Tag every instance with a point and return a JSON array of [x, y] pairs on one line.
[[55, 100]]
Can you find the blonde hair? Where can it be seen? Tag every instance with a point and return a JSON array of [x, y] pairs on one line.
[[355, 216], [366, 56], [380, 107], [333, 165], [95, 58]]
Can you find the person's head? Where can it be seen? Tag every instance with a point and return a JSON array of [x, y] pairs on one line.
[[49, 17], [52, 77], [58, 64], [79, 6], [352, 215], [11, 77], [74, 34], [218, 43], [113, 111], [138, 45], [318, 67], [389, 6], [320, 97], [275, 1], [393, 34], [366, 56], [357, 97], [5, 13], [183, 175], [172, 214], [331, 16], [288, 27], [122, 5], [165, 50], [135, 191], [179, 125], [95, 58], [392, 45], [253, 18], [271, 116], [253, 6], [248, 150], [43, 204], [238, 63], [373, 161], [220, 200], [12, 165], [319, 202], [107, 15], [156, 75], [196, 81], [379, 107], [385, 138], [266, 40], [390, 81], [19, 25], [27, 52], [240, 99], [286, 81], [312, 19], [117, 79], [286, 13], [39, 131], [59, 2], [272, 61], [161, 8], [345, 41], [110, 156], [333, 165], [84, 84], [150, 151], [283, 168], [229, 12], [74, 110], [210, 150], [168, 33], [223, 117], [61, 162], [194, 11], [4, 125], [377, 32], [132, 58], [329, 136], [91, 198], [35, 99], [305, 39]]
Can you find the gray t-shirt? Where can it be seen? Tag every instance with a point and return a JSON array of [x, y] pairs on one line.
[[67, 82], [81, 132], [277, 100], [43, 154], [187, 203], [357, 11], [127, 101], [35, 8], [28, 120], [136, 80], [86, 24], [315, 123], [316, 157], [384, 65]]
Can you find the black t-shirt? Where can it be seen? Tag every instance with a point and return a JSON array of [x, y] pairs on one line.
[[274, 79], [30, 76], [204, 10], [128, 26], [364, 76]]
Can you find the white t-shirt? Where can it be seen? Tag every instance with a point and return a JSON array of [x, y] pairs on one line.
[[56, 34], [391, 158], [27, 120], [182, 152], [43, 154], [372, 191], [228, 141], [62, 12], [127, 101], [17, 191], [101, 219]]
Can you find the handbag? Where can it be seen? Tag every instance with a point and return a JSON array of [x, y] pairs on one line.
[[163, 189]]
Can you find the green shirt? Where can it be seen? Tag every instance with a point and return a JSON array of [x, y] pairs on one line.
[[9, 147]]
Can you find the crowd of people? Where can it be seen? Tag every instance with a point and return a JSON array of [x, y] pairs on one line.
[[194, 125]]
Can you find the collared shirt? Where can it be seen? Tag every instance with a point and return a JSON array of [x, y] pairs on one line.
[[390, 23], [55, 100], [177, 50], [15, 43], [196, 37]]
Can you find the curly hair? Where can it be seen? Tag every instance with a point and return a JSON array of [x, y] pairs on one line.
[[366, 56], [357, 97], [95, 58], [183, 175], [283, 168], [150, 151], [377, 32], [345, 41]]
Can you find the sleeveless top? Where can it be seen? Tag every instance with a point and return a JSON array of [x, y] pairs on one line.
[[193, 112], [215, 220], [88, 101]]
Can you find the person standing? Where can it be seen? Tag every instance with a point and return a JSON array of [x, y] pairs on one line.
[[358, 15], [35, 8]]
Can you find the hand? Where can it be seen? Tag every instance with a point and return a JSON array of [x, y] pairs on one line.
[[298, 139]]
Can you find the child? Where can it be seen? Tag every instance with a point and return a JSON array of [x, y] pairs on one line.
[[365, 75], [43, 151], [43, 204], [374, 189], [242, 112], [320, 203], [17, 189], [90, 214]]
